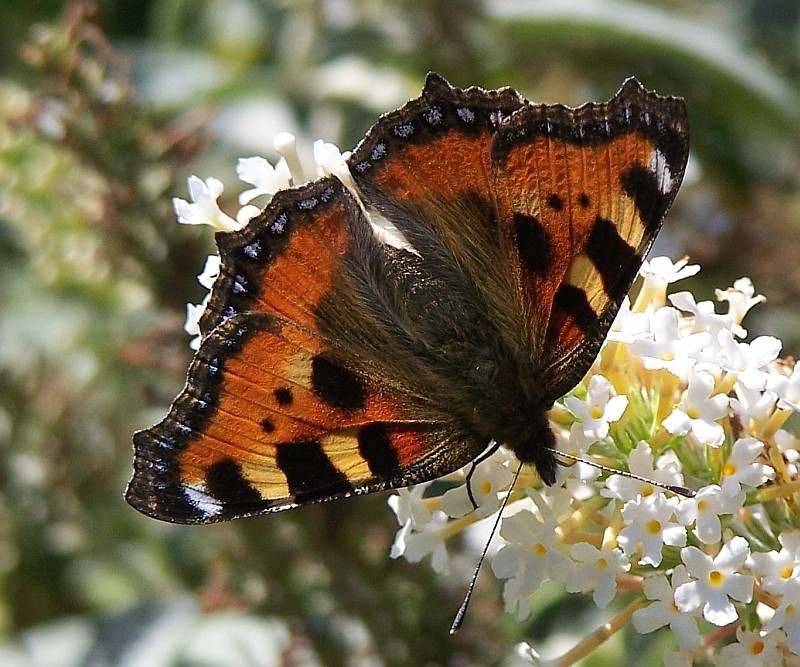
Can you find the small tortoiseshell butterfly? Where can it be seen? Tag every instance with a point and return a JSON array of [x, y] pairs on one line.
[[334, 363]]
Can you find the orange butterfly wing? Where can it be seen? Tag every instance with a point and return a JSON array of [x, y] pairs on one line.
[[584, 192], [567, 201], [271, 416], [427, 167], [282, 261]]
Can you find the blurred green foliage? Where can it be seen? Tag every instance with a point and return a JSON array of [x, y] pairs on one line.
[[105, 111]]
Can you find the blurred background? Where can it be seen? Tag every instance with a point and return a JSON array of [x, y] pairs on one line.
[[106, 108]]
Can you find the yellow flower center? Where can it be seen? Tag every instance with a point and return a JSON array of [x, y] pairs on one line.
[[729, 470], [786, 573], [692, 413], [791, 610], [596, 412], [486, 487], [539, 549], [701, 505], [602, 563], [654, 526], [716, 578], [757, 647]]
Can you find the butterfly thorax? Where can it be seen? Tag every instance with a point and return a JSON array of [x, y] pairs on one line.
[[515, 416]]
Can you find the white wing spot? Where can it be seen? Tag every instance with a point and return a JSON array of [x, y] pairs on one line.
[[386, 232], [660, 167], [202, 501]]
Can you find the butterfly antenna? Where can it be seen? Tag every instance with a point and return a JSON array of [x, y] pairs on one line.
[[462, 610], [674, 488]]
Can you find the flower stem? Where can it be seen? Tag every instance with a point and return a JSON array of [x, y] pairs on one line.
[[778, 491], [604, 632]]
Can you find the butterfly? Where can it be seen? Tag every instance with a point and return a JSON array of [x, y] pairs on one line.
[[336, 362]]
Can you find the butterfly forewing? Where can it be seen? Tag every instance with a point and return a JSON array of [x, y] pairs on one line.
[[584, 192], [278, 410]]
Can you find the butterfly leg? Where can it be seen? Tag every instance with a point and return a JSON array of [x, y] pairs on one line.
[[491, 449]]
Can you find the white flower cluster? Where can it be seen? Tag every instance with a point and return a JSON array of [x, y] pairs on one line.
[[677, 397]]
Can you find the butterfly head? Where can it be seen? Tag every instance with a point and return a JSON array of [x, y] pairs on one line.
[[538, 450], [532, 441]]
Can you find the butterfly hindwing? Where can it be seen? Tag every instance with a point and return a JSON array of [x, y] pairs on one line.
[[434, 148], [427, 168], [283, 260]]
